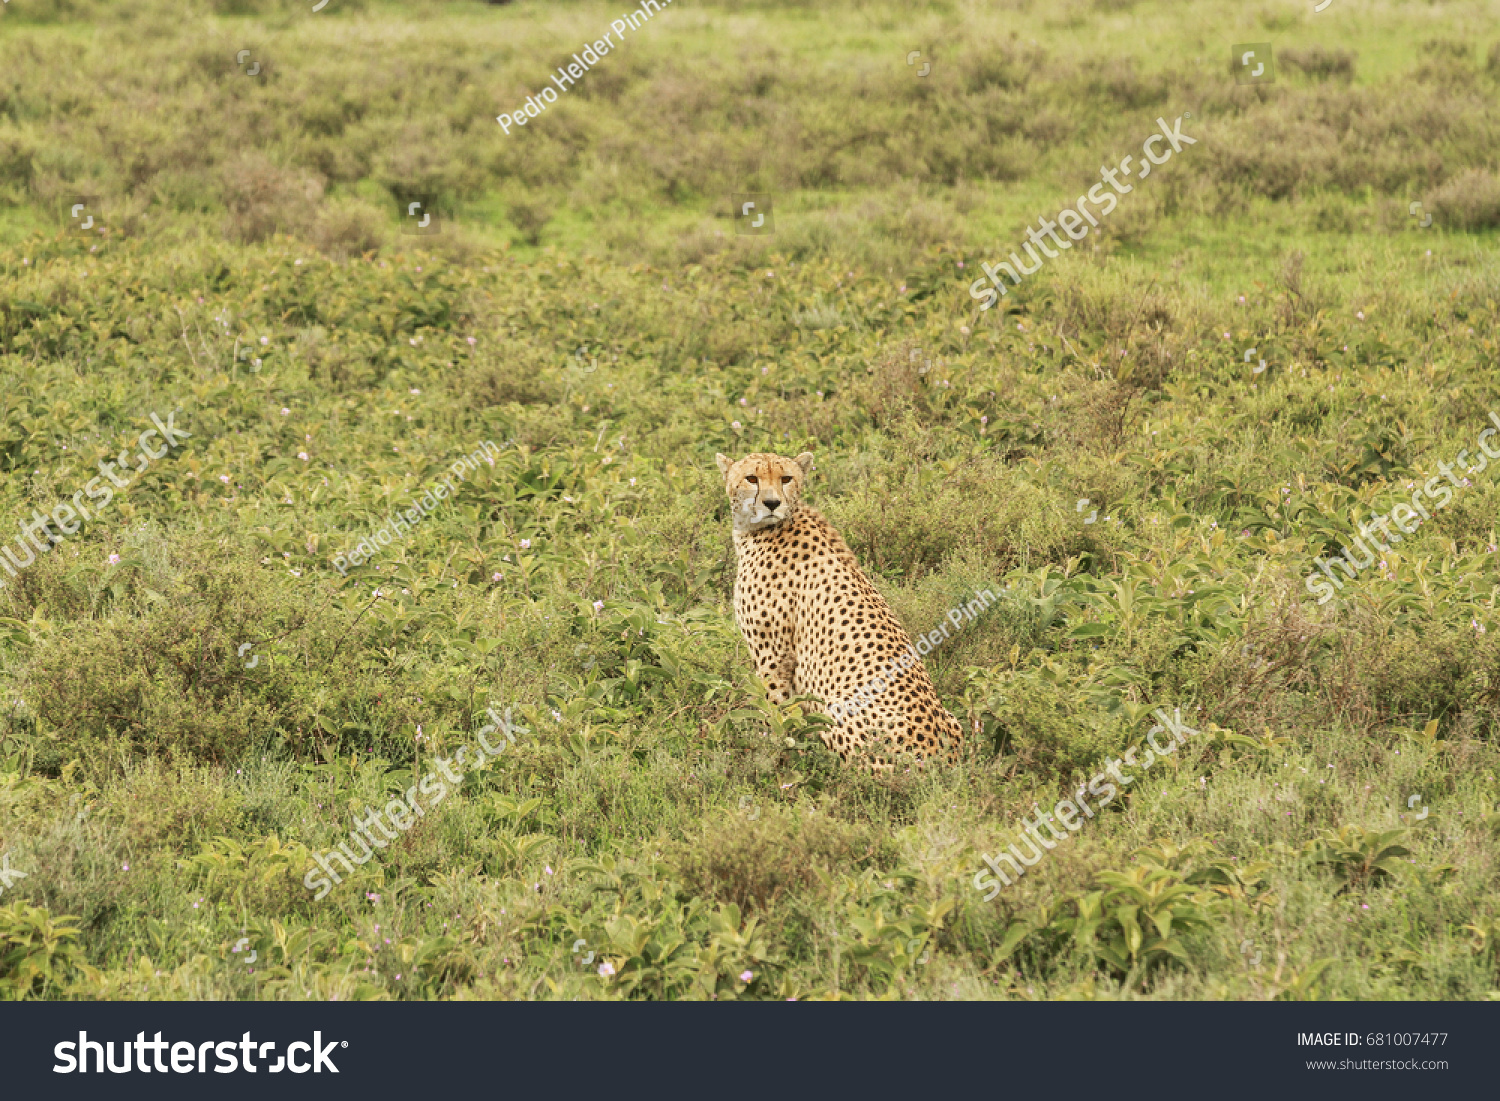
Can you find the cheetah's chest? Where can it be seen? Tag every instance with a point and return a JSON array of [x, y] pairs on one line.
[[776, 566]]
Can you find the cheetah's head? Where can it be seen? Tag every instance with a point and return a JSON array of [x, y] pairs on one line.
[[764, 489]]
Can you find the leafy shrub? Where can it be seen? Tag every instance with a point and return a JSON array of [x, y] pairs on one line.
[[1358, 857], [348, 228], [264, 199], [261, 876], [1318, 62], [530, 218], [162, 669], [752, 864], [38, 953], [1469, 201], [1033, 721], [983, 513]]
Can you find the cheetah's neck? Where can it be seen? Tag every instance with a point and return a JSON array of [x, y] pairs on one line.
[[799, 523]]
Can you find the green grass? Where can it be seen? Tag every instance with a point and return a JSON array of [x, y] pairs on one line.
[[164, 800]]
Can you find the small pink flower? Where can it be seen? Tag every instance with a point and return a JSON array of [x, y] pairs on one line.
[[746, 976], [606, 970], [114, 560], [302, 455], [496, 576], [471, 341]]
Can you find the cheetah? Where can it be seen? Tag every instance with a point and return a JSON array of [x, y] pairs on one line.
[[816, 625]]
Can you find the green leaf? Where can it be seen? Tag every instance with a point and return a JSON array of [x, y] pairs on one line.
[[1011, 941], [1092, 630]]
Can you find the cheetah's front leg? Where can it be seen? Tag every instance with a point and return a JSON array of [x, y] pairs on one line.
[[775, 655], [777, 667], [768, 633]]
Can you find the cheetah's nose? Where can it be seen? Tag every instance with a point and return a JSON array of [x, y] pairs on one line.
[[773, 505]]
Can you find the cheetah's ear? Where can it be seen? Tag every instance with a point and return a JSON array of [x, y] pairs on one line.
[[724, 464], [805, 461]]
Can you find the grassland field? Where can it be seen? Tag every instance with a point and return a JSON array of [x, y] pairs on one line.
[[198, 699]]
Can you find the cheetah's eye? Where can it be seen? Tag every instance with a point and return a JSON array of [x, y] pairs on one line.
[[785, 478], [751, 480]]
